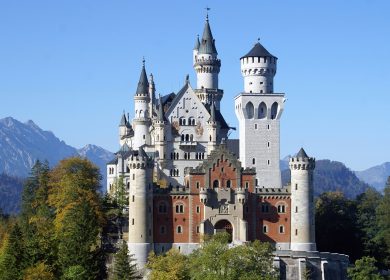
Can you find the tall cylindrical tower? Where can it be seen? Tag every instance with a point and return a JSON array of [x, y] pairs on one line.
[[140, 206], [302, 203], [258, 67], [142, 114]]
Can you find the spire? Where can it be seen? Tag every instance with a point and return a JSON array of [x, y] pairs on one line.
[[160, 112], [207, 44], [143, 84], [258, 51], [302, 154], [123, 120], [197, 43]]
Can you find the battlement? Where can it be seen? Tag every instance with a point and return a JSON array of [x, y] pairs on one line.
[[299, 163]]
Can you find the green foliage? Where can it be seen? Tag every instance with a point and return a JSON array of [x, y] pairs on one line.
[[120, 193], [383, 220], [40, 271], [75, 272], [13, 258], [336, 225], [170, 266], [124, 266], [364, 269]]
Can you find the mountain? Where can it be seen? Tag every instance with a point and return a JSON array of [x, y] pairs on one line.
[[375, 176], [333, 176], [10, 193], [21, 144]]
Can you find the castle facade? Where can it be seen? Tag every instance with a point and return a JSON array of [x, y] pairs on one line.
[[185, 179]]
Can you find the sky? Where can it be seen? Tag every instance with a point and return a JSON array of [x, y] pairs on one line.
[[72, 66]]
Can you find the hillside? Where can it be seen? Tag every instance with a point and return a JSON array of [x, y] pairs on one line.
[[10, 193], [333, 176], [375, 176]]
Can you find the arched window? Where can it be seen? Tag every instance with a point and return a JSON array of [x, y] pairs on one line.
[[179, 208], [179, 229], [281, 208], [228, 183], [274, 110], [216, 184], [187, 137], [191, 137], [250, 110], [182, 137], [281, 229], [262, 110]]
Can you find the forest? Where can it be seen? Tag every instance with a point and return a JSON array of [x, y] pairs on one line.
[[63, 226]]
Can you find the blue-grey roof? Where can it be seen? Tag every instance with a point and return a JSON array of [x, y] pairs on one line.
[[207, 45], [218, 117], [123, 120], [302, 154], [143, 84], [197, 43], [113, 161], [258, 51], [160, 112]]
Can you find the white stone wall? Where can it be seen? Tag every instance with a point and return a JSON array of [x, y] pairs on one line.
[[302, 206], [258, 73], [260, 137]]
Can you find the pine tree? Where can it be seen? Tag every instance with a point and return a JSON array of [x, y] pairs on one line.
[[124, 266], [13, 260]]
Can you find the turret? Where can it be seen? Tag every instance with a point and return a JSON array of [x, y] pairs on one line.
[[302, 202], [142, 117], [258, 110], [122, 127], [195, 50], [140, 206], [152, 95], [258, 67], [207, 67]]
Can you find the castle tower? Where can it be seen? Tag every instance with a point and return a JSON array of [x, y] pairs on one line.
[[207, 67], [142, 117], [140, 206], [302, 202], [258, 110], [159, 127]]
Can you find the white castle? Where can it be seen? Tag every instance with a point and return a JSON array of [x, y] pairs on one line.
[[185, 178]]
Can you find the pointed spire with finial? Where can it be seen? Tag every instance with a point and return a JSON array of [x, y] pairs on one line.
[[302, 154], [143, 84], [207, 45], [197, 43], [123, 119]]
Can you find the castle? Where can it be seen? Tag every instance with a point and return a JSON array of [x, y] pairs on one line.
[[184, 177]]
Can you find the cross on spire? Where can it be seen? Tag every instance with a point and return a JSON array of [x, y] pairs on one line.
[[143, 61]]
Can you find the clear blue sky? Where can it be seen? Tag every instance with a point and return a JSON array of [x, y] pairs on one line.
[[72, 66]]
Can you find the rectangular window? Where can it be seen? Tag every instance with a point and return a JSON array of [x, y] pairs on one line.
[[281, 229], [197, 185], [255, 125], [132, 221], [133, 198], [265, 229], [264, 208], [296, 187], [197, 229], [197, 209]]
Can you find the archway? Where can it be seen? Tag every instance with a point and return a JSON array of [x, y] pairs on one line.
[[224, 226]]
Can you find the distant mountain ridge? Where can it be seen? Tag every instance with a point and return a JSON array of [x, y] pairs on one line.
[[21, 144], [375, 176]]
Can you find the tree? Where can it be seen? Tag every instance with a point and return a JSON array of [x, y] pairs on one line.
[[79, 218], [364, 269], [383, 219], [336, 226], [120, 193], [13, 261], [40, 271], [169, 266], [248, 261], [124, 265]]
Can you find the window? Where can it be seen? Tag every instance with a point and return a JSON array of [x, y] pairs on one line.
[[268, 144], [296, 187], [268, 126], [197, 185], [162, 207], [197, 229], [255, 125], [216, 184], [296, 209], [264, 208], [228, 183], [246, 185], [253, 161], [133, 176], [197, 209], [132, 221], [133, 198], [268, 162], [265, 229], [281, 208], [179, 229], [179, 208], [281, 229], [257, 182], [296, 231], [162, 230]]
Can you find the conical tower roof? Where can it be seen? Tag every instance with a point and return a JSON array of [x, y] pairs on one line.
[[123, 120], [258, 51], [302, 154], [160, 112], [207, 45], [143, 84], [197, 43]]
